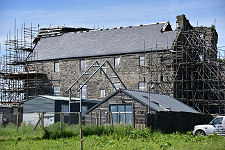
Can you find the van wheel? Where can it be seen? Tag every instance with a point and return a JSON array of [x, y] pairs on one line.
[[200, 132]]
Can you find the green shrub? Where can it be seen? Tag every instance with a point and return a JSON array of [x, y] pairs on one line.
[[97, 130], [54, 131]]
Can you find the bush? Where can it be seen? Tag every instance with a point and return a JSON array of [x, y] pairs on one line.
[[54, 131], [97, 130]]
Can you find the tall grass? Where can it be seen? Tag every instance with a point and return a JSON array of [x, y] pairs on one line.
[[54, 131], [26, 131], [102, 138]]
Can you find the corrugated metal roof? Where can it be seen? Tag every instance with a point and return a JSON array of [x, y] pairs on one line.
[[7, 106], [61, 98], [160, 102], [105, 42]]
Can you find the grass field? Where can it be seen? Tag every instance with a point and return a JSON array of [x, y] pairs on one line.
[[103, 138]]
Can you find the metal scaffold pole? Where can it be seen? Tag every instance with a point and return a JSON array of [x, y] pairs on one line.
[[80, 118]]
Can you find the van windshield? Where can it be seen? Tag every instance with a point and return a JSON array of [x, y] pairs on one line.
[[217, 120]]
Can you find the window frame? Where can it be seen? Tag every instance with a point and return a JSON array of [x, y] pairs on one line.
[[145, 86], [102, 96], [82, 64], [121, 114], [141, 60], [116, 87], [56, 66], [57, 91], [103, 68], [64, 106], [116, 65], [84, 108], [84, 91]]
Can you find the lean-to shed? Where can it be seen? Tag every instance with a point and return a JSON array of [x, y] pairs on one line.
[[51, 106], [136, 107]]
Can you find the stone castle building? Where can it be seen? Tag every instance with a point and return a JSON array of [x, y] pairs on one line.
[[181, 63]]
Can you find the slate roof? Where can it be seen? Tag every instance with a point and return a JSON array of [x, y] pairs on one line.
[[158, 102], [106, 42], [61, 98]]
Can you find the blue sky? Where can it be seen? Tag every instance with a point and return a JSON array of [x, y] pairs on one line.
[[90, 13]]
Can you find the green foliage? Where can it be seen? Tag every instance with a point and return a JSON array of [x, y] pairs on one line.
[[26, 131], [54, 131], [97, 130], [103, 138]]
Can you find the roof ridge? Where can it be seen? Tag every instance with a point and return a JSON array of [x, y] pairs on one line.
[[123, 40], [122, 27], [144, 91]]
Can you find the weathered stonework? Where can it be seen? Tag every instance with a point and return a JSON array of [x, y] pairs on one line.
[[187, 72], [156, 71]]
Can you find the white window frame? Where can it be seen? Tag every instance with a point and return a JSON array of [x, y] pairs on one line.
[[142, 86], [103, 68], [102, 93], [82, 64], [142, 60], [84, 91], [56, 90], [56, 66], [117, 114], [117, 85], [116, 62]]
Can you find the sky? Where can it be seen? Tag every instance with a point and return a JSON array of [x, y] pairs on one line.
[[109, 14]]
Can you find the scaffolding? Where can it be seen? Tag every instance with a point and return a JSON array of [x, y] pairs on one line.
[[193, 71], [21, 74], [199, 80], [18, 79]]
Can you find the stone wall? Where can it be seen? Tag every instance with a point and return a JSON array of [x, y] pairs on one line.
[[157, 70]]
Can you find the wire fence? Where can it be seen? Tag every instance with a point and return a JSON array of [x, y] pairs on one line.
[[40, 119], [161, 120], [45, 119]]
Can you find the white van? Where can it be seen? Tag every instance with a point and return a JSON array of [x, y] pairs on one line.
[[217, 126]]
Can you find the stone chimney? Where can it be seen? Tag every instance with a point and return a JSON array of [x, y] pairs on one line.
[[183, 23]]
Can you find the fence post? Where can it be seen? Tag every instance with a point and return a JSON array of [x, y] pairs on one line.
[[96, 117], [40, 117], [118, 118], [17, 121], [111, 120], [106, 117], [125, 118], [61, 115], [42, 120], [146, 116], [133, 114], [81, 136], [91, 118], [100, 117]]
